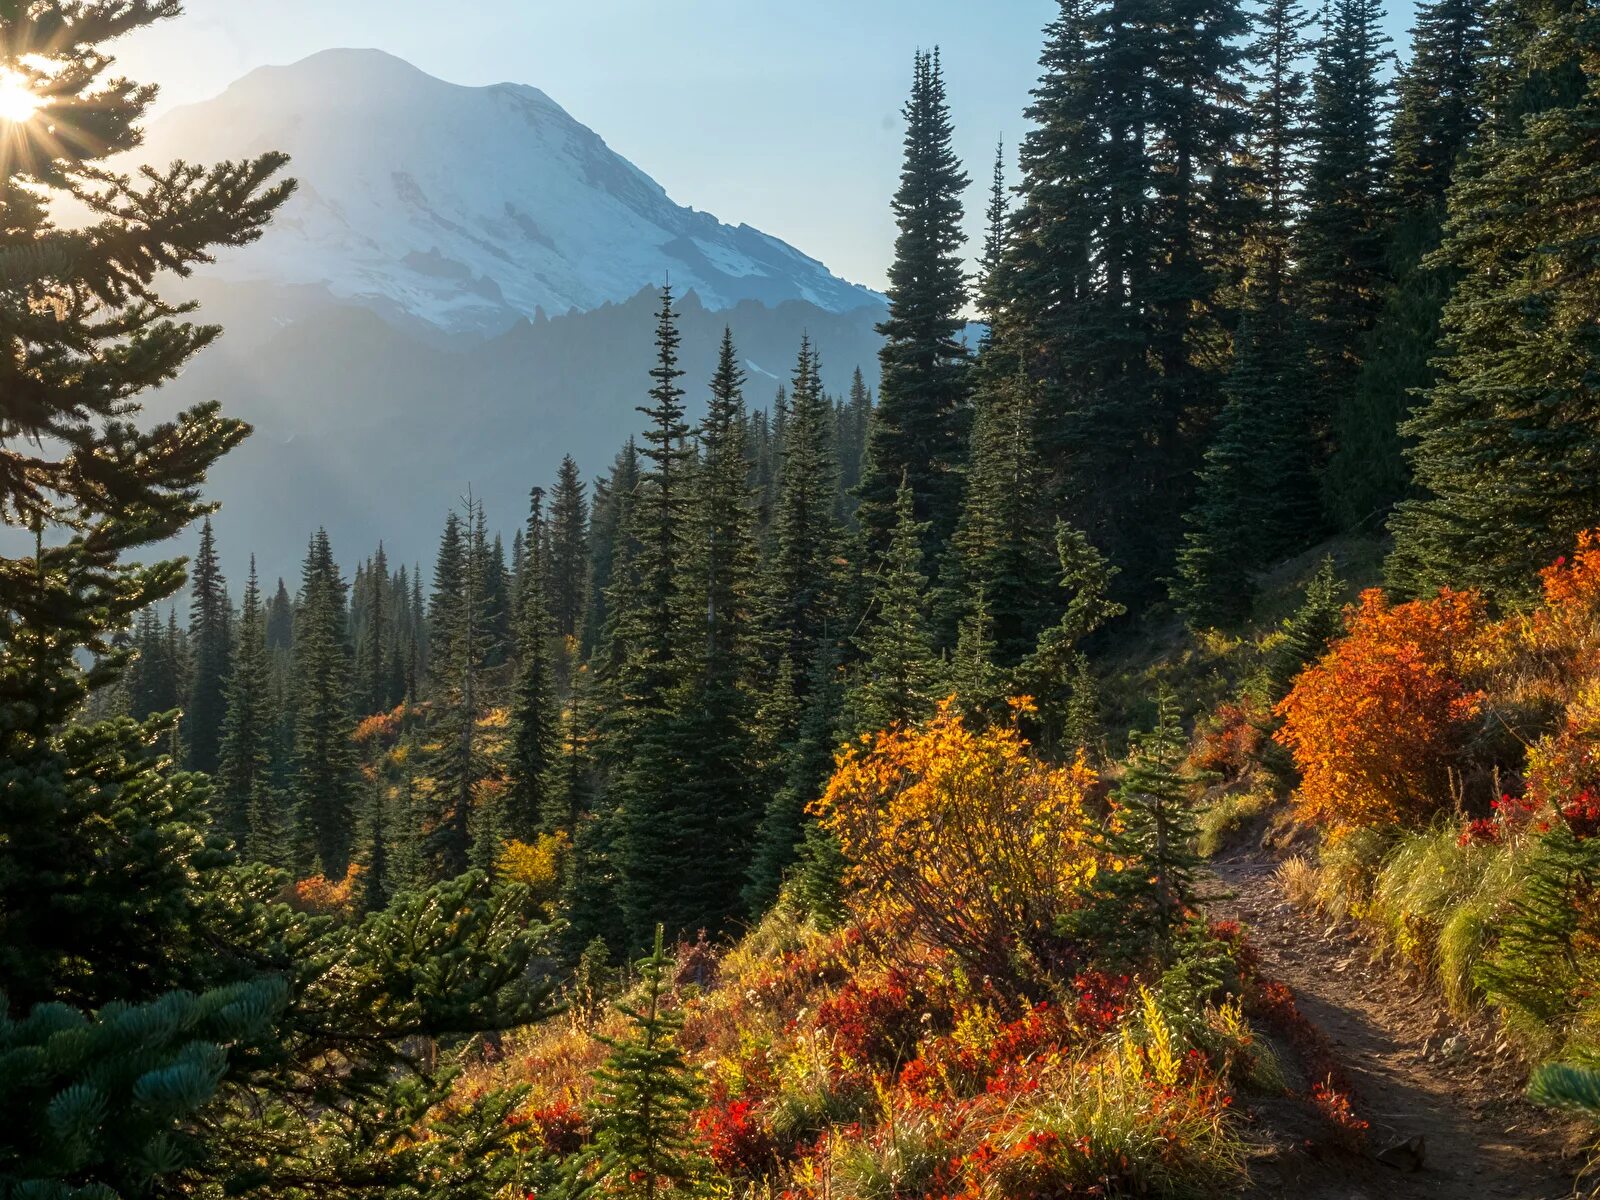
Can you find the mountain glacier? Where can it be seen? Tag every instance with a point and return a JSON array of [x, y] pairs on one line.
[[467, 208]]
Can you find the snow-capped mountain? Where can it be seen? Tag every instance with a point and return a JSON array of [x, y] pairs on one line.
[[467, 207]]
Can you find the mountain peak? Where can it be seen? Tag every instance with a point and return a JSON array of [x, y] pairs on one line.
[[467, 208]]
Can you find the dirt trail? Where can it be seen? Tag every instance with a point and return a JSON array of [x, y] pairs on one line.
[[1481, 1139]]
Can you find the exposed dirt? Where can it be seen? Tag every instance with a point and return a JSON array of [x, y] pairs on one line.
[[1415, 1070]]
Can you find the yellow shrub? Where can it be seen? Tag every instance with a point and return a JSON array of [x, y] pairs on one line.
[[963, 838]]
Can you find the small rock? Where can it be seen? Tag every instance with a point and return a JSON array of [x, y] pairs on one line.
[[1453, 1048], [1408, 1156]]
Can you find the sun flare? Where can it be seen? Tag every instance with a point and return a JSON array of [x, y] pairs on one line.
[[17, 101]]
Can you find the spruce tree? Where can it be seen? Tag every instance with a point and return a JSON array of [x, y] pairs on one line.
[[716, 790], [995, 241], [210, 618], [1437, 113], [534, 803], [645, 1097], [459, 646], [897, 676], [802, 571], [324, 763], [1259, 497], [244, 784], [1507, 441], [373, 641], [1307, 632], [1145, 905], [918, 429], [1340, 252], [569, 550], [1052, 673], [1001, 549]]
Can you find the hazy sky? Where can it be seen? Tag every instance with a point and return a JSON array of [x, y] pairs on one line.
[[781, 116]]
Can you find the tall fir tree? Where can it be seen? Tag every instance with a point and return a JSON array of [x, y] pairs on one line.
[[459, 648], [324, 763], [1507, 441], [919, 427], [1340, 251], [534, 802], [373, 643], [1002, 555], [245, 802], [1437, 114], [897, 675], [569, 550], [802, 562], [210, 638]]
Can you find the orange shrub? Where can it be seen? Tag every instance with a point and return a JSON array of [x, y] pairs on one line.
[[1372, 725], [324, 897], [963, 838]]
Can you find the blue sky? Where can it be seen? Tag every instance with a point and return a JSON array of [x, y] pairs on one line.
[[778, 115]]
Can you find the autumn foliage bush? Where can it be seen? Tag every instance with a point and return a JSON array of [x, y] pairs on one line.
[[963, 839], [1375, 726]]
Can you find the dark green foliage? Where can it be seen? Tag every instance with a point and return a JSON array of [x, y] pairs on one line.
[[104, 1106], [801, 770], [1506, 444], [1341, 240], [1438, 111], [918, 429], [1001, 549], [1130, 215], [1306, 633], [324, 764], [569, 550], [210, 619], [978, 685], [897, 677], [802, 570], [819, 879], [535, 802], [1259, 497], [244, 774], [459, 640], [645, 1097], [1533, 973], [1147, 902], [1051, 672]]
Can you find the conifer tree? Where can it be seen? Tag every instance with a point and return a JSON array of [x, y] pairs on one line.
[[978, 684], [1001, 548], [802, 769], [1507, 440], [1124, 240], [896, 679], [802, 571], [645, 1097], [534, 801], [918, 429], [324, 764], [372, 644], [1051, 673], [995, 241], [1307, 632], [569, 550], [1437, 114], [1152, 832], [1259, 497], [715, 790], [210, 618], [459, 647], [243, 783], [1340, 251]]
